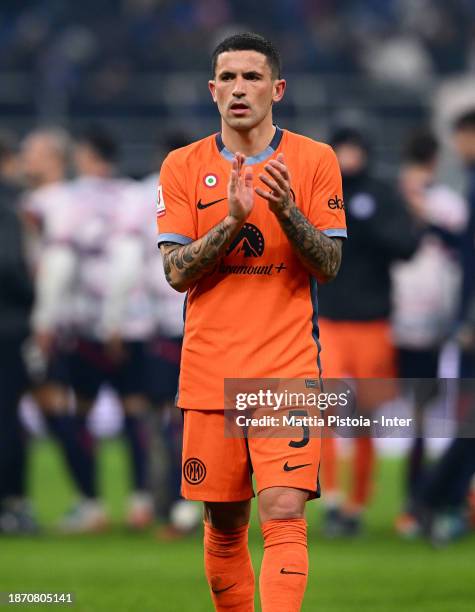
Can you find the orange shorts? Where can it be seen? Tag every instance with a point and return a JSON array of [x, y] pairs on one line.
[[357, 349], [360, 349], [220, 469]]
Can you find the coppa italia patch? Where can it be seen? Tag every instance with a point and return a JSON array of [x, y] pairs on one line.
[[160, 202], [210, 180]]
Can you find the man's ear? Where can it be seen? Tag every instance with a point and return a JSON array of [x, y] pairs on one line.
[[212, 88], [279, 90]]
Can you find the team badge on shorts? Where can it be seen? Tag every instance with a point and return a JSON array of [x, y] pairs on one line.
[[210, 180], [194, 471], [160, 202]]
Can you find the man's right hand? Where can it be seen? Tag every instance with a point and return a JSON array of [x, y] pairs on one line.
[[466, 337], [240, 190], [185, 265], [44, 340]]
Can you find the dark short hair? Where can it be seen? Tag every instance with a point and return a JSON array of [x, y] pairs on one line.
[[421, 147], [249, 42], [349, 135], [101, 141], [7, 145], [176, 140], [465, 121]]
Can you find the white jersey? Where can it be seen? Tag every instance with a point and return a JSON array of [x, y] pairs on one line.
[[426, 289], [167, 303], [46, 209], [44, 205], [99, 214], [42, 202]]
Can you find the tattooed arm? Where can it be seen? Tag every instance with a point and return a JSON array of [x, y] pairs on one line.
[[320, 254], [185, 265]]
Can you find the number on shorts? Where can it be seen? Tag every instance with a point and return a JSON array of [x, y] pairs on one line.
[[306, 430]]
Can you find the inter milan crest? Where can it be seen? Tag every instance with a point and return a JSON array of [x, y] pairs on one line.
[[194, 471]]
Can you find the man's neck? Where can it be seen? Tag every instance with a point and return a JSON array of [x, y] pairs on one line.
[[42, 182], [249, 143], [98, 173], [52, 179]]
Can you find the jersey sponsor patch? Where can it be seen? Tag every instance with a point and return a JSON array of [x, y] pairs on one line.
[[160, 202], [336, 203]]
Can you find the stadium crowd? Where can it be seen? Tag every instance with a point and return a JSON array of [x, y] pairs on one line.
[[340, 37], [84, 303], [60, 44]]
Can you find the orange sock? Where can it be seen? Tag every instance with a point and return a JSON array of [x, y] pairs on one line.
[[329, 465], [363, 472], [228, 569], [285, 565]]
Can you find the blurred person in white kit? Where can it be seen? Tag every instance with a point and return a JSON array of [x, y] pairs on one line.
[[426, 295], [96, 248], [44, 160]]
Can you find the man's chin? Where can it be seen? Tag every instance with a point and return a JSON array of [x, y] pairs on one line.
[[33, 181], [241, 124]]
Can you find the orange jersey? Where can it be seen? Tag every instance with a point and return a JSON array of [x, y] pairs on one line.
[[255, 314]]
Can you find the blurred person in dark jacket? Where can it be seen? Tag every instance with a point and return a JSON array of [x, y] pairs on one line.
[[16, 298], [464, 141], [354, 315], [426, 297]]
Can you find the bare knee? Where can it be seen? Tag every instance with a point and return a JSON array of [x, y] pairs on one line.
[[227, 515], [52, 398], [282, 503]]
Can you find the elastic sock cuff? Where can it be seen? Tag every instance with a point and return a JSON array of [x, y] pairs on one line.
[[284, 531], [225, 542]]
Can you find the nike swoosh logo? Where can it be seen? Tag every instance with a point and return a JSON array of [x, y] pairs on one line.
[[291, 468], [218, 591], [208, 204], [284, 571]]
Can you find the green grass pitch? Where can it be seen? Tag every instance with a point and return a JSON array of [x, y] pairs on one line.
[[118, 571]]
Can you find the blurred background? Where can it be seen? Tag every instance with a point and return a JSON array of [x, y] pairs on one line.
[[93, 95], [143, 65]]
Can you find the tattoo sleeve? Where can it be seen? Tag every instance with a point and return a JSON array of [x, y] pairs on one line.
[[185, 265], [320, 254]]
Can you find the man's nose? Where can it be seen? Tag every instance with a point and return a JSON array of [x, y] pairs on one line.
[[239, 88]]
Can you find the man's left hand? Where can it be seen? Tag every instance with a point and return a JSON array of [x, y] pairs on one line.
[[278, 180], [115, 348]]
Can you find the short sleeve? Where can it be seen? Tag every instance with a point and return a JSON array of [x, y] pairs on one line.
[[175, 221], [327, 210], [32, 205], [130, 214], [62, 219]]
